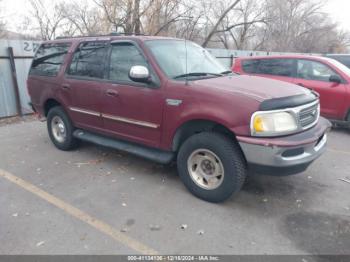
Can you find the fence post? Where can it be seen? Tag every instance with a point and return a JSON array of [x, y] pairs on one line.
[[15, 82], [231, 56]]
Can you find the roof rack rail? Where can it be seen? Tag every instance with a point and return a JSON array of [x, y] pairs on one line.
[[111, 34]]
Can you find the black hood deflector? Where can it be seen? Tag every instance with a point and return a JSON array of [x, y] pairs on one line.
[[288, 102]]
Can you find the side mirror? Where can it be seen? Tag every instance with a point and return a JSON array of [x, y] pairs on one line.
[[335, 79], [139, 74]]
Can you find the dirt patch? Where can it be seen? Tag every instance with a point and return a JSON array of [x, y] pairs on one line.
[[16, 119]]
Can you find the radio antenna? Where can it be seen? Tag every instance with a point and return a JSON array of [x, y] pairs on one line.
[[186, 79]]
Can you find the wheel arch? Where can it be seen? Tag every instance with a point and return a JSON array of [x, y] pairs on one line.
[[50, 103], [196, 126], [347, 116]]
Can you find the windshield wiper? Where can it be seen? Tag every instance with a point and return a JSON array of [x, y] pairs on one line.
[[226, 72], [196, 74]]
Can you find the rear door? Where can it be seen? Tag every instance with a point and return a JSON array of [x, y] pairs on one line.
[[315, 75], [131, 110], [84, 81], [279, 69]]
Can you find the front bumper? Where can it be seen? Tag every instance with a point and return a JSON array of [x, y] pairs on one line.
[[285, 155]]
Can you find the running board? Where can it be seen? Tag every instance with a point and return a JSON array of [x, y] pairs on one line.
[[156, 155]]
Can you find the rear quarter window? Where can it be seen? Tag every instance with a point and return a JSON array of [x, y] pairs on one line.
[[250, 66], [277, 67], [49, 59]]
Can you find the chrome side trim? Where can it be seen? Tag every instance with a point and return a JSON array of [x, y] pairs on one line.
[[84, 111], [115, 118], [130, 121]]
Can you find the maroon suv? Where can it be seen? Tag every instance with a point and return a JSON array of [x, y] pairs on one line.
[[166, 99]]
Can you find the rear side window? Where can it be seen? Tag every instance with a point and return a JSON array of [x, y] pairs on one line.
[[89, 60], [49, 59], [250, 66], [278, 67]]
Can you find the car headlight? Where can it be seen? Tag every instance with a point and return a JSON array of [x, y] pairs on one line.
[[273, 123]]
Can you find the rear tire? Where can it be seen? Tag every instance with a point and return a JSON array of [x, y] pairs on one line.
[[60, 129], [211, 166]]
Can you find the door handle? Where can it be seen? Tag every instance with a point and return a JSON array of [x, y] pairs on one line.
[[65, 86], [111, 92]]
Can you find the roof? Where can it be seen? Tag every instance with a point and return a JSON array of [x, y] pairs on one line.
[[337, 55], [109, 38], [311, 57]]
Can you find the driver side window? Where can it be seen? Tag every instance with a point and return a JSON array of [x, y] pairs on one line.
[[123, 57], [312, 70]]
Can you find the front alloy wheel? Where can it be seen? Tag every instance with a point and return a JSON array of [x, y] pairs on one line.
[[206, 169], [212, 166]]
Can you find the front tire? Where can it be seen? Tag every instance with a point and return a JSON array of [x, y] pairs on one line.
[[211, 166], [60, 129]]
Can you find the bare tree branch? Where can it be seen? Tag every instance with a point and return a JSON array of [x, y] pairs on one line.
[[223, 15]]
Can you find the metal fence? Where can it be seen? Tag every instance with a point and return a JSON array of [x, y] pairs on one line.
[[15, 61], [227, 57]]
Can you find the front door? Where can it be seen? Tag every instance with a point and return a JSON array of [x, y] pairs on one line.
[[131, 110], [315, 75]]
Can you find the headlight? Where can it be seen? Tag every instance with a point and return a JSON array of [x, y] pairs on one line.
[[273, 123]]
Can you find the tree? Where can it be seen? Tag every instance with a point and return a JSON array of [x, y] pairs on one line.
[[2, 22], [233, 21], [298, 26], [240, 28], [48, 21], [222, 15], [83, 19], [161, 16], [272, 25]]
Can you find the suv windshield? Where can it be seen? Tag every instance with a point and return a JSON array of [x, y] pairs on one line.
[[340, 66], [344, 59], [171, 57]]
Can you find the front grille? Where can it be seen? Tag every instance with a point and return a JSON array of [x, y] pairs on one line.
[[309, 116]]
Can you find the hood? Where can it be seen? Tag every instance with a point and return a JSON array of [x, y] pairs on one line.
[[257, 88]]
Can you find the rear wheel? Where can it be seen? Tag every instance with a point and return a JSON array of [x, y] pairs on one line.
[[211, 166], [60, 129]]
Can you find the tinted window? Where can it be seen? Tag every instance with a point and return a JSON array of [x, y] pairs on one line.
[[89, 60], [312, 70], [49, 59], [123, 57], [250, 66], [278, 67]]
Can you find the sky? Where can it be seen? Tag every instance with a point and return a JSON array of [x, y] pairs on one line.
[[339, 12], [14, 10]]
